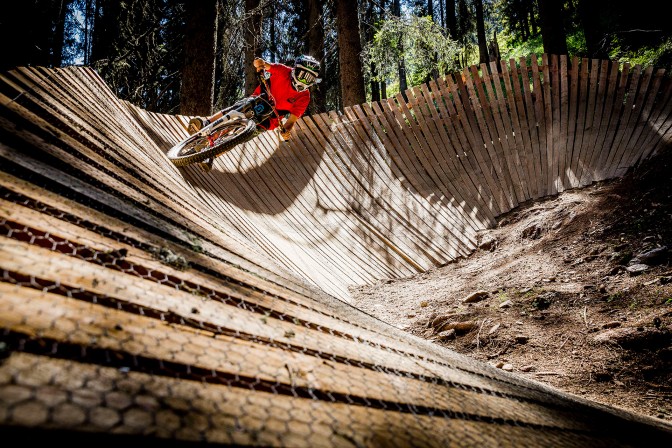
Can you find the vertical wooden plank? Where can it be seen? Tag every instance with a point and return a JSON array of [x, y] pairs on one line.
[[488, 106], [624, 124], [473, 144], [570, 167], [521, 140], [589, 130], [662, 140], [609, 115], [548, 115], [598, 117], [365, 114], [659, 117], [440, 157], [414, 114], [449, 152], [422, 150], [464, 157], [418, 180], [561, 147], [456, 227], [482, 112], [529, 121], [634, 148], [614, 117], [539, 108], [346, 255], [504, 129], [418, 149], [364, 176], [639, 91]]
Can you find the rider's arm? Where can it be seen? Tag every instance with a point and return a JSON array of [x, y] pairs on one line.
[[260, 64], [288, 125]]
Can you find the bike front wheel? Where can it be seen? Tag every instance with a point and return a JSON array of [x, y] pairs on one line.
[[221, 138]]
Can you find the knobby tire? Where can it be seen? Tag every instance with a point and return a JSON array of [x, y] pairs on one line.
[[198, 148]]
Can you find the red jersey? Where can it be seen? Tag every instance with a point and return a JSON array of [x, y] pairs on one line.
[[286, 98]]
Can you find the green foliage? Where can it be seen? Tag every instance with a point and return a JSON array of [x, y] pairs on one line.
[[418, 41], [576, 45], [657, 56]]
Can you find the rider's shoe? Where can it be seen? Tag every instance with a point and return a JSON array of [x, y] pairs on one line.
[[196, 124]]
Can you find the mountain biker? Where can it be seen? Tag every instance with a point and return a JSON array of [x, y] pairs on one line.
[[289, 88]]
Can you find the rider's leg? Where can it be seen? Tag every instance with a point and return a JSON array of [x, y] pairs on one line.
[[198, 123]]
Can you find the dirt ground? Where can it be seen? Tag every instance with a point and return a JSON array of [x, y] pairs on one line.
[[573, 291]]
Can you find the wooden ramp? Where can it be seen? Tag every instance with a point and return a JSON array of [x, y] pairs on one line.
[[145, 304]]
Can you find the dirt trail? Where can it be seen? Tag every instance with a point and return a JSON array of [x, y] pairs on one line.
[[574, 291]]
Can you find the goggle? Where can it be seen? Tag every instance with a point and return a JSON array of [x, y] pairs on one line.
[[305, 77]]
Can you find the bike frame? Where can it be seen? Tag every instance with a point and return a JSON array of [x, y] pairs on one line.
[[230, 116]]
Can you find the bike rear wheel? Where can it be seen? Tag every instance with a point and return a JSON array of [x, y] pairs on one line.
[[199, 148]]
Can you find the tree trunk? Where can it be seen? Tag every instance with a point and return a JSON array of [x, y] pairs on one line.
[[552, 28], [589, 11], [493, 49], [369, 33], [349, 50], [315, 47], [401, 65], [106, 24], [480, 33], [61, 8], [252, 24], [272, 39], [200, 48], [533, 19], [451, 19]]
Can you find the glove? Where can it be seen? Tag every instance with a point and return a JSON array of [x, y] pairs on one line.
[[285, 136]]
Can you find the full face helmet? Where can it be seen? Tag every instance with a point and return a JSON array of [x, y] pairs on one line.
[[305, 71]]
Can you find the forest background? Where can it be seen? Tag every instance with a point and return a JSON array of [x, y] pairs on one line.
[[193, 57]]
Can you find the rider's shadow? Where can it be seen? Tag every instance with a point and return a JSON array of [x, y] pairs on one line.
[[263, 175]]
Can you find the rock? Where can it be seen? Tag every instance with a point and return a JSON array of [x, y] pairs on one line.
[[507, 367], [543, 301], [506, 304], [653, 257], [459, 327], [475, 297], [527, 369], [489, 243], [637, 269], [532, 232], [446, 335], [521, 339], [494, 329], [635, 338], [438, 322]]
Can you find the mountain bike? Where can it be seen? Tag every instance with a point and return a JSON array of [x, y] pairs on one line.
[[240, 123]]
